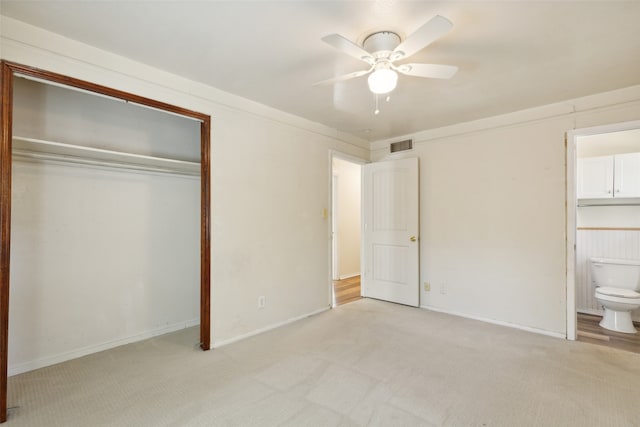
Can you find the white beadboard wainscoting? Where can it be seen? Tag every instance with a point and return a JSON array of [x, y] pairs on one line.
[[601, 243]]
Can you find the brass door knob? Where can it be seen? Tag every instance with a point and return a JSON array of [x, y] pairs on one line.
[[413, 238]]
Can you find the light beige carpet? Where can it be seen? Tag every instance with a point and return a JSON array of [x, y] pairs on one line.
[[368, 363]]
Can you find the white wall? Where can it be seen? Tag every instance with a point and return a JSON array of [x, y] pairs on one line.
[[605, 144], [608, 216], [492, 210], [99, 258], [348, 216], [270, 183]]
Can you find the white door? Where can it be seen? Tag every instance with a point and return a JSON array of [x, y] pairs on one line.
[[627, 175], [390, 231], [595, 177]]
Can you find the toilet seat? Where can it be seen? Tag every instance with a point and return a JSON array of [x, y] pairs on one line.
[[624, 296]]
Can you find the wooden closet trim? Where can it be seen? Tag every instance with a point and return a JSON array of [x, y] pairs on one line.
[[7, 72]]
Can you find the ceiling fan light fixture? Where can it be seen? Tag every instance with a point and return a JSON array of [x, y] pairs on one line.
[[382, 81]]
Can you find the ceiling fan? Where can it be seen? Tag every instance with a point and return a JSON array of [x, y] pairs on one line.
[[381, 49]]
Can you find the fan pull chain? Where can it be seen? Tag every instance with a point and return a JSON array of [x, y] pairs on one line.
[[377, 110]]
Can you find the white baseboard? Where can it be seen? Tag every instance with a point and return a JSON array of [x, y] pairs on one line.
[[348, 276], [221, 343], [497, 322], [22, 367]]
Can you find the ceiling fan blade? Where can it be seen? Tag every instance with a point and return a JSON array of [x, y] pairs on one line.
[[348, 47], [343, 77], [435, 28], [433, 71]]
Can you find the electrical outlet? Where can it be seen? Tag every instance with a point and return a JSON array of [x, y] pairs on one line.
[[261, 301], [443, 289], [427, 286]]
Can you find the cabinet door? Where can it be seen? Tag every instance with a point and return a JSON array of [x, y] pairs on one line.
[[595, 177], [627, 175]]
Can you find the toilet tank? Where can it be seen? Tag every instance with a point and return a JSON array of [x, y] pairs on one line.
[[617, 273]]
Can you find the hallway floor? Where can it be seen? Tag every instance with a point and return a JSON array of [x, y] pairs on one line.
[[346, 290]]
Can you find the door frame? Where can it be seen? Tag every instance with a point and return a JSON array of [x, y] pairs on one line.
[[571, 162], [7, 73], [353, 159], [335, 268]]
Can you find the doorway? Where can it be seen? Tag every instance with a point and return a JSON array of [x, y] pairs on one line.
[[346, 226], [603, 221]]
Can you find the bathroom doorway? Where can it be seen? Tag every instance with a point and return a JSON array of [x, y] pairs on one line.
[[603, 221], [345, 229]]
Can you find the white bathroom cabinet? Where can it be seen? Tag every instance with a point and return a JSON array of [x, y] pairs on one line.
[[605, 177]]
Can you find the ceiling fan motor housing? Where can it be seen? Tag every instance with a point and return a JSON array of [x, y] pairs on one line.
[[381, 44], [382, 48]]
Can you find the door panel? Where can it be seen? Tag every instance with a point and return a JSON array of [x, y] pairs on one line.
[[627, 175], [595, 177], [390, 231]]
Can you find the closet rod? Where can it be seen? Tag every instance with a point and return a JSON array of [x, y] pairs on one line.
[[27, 155]]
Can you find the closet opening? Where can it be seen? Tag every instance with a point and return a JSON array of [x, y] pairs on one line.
[[143, 214]]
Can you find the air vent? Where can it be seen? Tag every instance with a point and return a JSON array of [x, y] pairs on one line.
[[407, 144]]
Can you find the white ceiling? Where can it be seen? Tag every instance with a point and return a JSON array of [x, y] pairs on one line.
[[511, 54]]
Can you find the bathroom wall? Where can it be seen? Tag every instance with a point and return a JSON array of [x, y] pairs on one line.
[[609, 143]]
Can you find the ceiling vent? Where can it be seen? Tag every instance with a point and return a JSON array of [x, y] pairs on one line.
[[407, 144]]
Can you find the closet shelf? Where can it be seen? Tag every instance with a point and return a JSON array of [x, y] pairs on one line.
[[634, 201], [38, 149]]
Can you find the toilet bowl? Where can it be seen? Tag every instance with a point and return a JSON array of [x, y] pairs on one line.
[[617, 284], [617, 308]]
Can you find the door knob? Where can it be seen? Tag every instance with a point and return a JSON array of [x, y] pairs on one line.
[[413, 238]]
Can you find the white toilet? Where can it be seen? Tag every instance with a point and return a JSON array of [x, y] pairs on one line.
[[617, 284]]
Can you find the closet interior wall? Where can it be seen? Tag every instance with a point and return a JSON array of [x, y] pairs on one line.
[[103, 252]]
